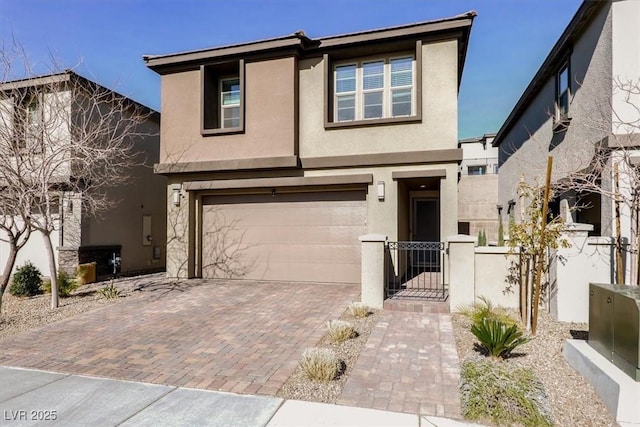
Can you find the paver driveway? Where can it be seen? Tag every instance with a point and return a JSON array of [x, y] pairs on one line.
[[243, 337]]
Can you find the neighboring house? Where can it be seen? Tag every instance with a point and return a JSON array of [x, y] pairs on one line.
[[280, 153], [134, 228], [572, 108], [478, 188]]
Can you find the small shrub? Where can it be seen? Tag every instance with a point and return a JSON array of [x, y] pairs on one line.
[[26, 281], [484, 309], [507, 396], [109, 292], [320, 364], [66, 285], [498, 338], [359, 309], [339, 330]]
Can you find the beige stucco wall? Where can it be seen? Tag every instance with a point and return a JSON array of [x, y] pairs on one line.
[[270, 94], [383, 216], [438, 129], [142, 195], [477, 199]]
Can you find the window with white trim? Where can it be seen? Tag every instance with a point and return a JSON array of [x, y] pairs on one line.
[[374, 89], [563, 93], [223, 98], [230, 102]]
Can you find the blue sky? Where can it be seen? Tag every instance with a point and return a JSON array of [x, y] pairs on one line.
[[106, 39]]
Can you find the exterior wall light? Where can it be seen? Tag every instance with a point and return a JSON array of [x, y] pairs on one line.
[[381, 190], [176, 194]]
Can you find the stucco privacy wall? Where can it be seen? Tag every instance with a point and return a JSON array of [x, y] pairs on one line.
[[438, 129], [269, 115], [34, 251], [531, 139]]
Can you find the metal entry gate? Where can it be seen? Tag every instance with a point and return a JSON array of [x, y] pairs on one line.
[[415, 270]]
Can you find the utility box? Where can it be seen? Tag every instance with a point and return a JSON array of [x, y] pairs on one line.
[[614, 325]]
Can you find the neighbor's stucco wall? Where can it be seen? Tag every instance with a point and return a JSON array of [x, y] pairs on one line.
[[525, 148], [144, 194], [269, 130], [33, 251], [625, 16], [477, 199], [438, 129]]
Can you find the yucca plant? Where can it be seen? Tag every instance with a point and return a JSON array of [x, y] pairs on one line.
[[498, 338]]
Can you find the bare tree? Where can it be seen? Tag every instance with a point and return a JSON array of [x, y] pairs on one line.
[[71, 140]]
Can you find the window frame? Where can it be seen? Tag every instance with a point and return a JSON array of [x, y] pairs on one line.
[[360, 93], [211, 77], [331, 61], [561, 119]]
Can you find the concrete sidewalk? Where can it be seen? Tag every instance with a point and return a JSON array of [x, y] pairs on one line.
[[31, 397]]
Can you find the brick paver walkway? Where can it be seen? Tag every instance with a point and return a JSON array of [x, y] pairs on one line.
[[409, 364], [242, 337]]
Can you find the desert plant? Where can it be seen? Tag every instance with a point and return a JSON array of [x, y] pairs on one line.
[[503, 394], [359, 309], [26, 280], [497, 338], [66, 285], [339, 330], [484, 309], [109, 292], [320, 364], [500, 231]]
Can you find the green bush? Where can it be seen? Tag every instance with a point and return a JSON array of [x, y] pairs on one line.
[[26, 281], [506, 395], [497, 338], [66, 285]]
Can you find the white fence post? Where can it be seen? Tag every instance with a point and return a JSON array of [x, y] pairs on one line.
[[461, 250], [372, 275]]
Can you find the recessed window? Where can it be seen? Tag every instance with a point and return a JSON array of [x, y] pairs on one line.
[[477, 170], [222, 98], [563, 93], [374, 89]]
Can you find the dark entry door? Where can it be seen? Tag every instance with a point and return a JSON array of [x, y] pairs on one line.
[[426, 220]]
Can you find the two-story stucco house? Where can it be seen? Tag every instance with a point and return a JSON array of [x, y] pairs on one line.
[[280, 153], [575, 107], [45, 115]]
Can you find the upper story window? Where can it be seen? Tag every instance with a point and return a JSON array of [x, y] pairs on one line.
[[563, 94], [477, 170], [230, 102], [222, 98], [374, 89], [33, 121]]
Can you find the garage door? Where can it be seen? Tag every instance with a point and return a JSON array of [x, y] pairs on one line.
[[306, 237]]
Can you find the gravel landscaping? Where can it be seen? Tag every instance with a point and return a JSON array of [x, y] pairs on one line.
[[299, 387], [573, 400]]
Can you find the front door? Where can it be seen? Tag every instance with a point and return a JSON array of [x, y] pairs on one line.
[[426, 220]]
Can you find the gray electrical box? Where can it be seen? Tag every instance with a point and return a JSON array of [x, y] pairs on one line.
[[614, 325]]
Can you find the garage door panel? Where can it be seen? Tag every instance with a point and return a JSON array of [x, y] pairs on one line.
[[316, 235], [276, 214], [299, 237]]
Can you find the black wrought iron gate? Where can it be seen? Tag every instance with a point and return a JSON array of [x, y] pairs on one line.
[[415, 270]]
